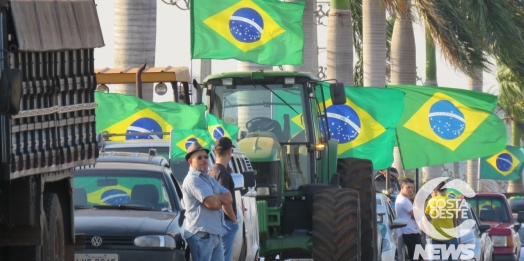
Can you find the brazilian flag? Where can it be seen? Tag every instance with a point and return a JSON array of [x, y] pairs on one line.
[[118, 113], [266, 32], [441, 125], [182, 139], [505, 165], [218, 128], [365, 125]]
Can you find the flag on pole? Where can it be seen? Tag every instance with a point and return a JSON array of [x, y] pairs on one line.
[[266, 32], [505, 165], [441, 125]]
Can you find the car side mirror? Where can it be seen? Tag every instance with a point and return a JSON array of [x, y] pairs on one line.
[[484, 227], [249, 179], [10, 91], [238, 179], [338, 93], [517, 226], [398, 223], [520, 216]]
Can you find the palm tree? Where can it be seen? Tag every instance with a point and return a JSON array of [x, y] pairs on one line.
[[310, 56], [340, 43], [135, 39], [374, 42], [511, 102], [475, 83], [402, 61]]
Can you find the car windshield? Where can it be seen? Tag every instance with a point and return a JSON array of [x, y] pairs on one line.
[[489, 208], [274, 108], [145, 190]]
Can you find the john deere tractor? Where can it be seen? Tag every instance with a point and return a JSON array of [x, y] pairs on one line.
[[311, 204]]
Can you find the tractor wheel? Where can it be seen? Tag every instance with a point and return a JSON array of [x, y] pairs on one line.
[[357, 174], [55, 223], [336, 230]]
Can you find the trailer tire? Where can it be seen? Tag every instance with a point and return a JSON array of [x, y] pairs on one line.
[[358, 174], [336, 229], [55, 223]]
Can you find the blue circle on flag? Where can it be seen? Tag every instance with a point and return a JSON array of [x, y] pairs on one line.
[[189, 142], [218, 132], [144, 125], [343, 122], [246, 25], [115, 197], [446, 120], [504, 162]]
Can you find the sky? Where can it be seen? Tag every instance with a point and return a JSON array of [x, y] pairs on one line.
[[173, 46]]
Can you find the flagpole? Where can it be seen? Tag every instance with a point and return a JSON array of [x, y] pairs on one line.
[[478, 176]]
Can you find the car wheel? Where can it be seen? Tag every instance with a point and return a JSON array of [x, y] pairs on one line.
[[55, 223], [336, 225]]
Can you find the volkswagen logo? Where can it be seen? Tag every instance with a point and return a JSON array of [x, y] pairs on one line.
[[96, 241]]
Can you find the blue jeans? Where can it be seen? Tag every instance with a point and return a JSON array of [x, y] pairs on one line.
[[206, 247], [448, 243], [228, 240]]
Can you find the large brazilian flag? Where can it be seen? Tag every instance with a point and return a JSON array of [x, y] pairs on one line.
[[266, 32], [118, 113], [441, 125], [365, 125]]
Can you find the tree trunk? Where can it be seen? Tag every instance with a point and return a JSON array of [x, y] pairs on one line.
[[403, 63], [340, 46], [515, 186], [135, 39], [310, 56], [431, 172], [472, 172], [374, 38]]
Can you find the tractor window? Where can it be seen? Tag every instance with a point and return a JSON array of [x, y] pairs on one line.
[[272, 108], [298, 172]]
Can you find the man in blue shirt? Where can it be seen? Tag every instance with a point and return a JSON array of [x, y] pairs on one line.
[[203, 199]]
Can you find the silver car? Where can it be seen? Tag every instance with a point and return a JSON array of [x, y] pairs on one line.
[[478, 236], [389, 227]]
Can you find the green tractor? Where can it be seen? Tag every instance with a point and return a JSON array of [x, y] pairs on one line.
[[311, 204]]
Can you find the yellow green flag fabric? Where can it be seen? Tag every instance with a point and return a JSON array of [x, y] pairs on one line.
[[505, 165], [365, 125], [182, 139], [218, 128], [441, 125], [118, 113], [266, 32]]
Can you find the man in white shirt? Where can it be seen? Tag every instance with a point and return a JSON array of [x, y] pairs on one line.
[[404, 208]]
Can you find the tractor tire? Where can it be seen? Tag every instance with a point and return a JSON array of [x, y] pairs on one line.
[[357, 174], [336, 229], [55, 223]]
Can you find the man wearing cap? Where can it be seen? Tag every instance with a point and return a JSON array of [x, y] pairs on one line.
[[441, 210], [224, 151], [393, 174], [203, 199]]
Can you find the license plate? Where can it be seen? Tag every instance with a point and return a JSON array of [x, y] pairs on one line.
[[96, 257]]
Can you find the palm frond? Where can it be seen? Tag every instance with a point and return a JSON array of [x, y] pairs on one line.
[[457, 37], [511, 97]]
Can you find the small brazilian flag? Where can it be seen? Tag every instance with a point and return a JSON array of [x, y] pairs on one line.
[[218, 128], [365, 125], [118, 113], [441, 125], [505, 165], [182, 139], [266, 32]]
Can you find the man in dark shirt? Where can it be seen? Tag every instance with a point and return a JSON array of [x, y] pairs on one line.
[[223, 151]]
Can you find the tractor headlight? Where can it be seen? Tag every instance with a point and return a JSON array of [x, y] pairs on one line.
[[262, 191], [156, 241]]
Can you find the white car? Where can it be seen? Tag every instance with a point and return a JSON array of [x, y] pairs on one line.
[[389, 227]]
